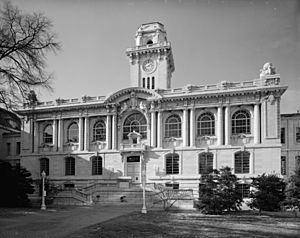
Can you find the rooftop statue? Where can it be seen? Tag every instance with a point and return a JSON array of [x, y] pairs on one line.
[[267, 69]]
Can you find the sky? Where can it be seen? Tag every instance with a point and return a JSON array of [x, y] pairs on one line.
[[212, 41]]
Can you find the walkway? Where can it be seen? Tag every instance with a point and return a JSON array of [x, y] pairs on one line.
[[57, 222]]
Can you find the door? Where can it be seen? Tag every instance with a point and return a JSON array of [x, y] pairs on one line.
[[134, 168]]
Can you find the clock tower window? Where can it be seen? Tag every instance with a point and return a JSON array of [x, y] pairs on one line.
[[153, 82], [149, 42], [148, 82], [144, 83]]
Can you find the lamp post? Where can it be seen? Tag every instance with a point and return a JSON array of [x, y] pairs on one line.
[[144, 209], [43, 206]]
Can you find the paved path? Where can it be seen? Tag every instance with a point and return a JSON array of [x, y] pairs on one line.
[[56, 222]]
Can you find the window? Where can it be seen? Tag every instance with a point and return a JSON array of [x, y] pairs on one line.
[[44, 166], [73, 132], [97, 165], [241, 162], [144, 83], [153, 82], [243, 189], [149, 42], [173, 126], [205, 163], [283, 165], [172, 185], [18, 149], [172, 164], [282, 136], [297, 134], [241, 122], [297, 158], [69, 166], [206, 124], [48, 134], [135, 122], [99, 131], [8, 149], [148, 82]]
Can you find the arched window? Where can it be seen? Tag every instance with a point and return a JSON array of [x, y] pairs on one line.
[[241, 162], [206, 124], [149, 42], [97, 165], [48, 134], [205, 163], [241, 122], [69, 166], [173, 126], [135, 122], [172, 164], [72, 134], [99, 131], [44, 165]]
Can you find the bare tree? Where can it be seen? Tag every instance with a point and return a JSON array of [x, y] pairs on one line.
[[24, 41]]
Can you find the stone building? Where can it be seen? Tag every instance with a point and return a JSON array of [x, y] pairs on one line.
[[10, 137], [290, 140], [170, 135]]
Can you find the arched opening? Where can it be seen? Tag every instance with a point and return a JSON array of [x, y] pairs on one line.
[[149, 42]]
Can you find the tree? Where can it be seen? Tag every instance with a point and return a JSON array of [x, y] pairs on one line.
[[267, 193], [292, 192], [16, 184], [218, 192], [24, 41]]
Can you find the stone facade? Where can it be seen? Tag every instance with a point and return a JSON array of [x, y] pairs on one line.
[[290, 139], [173, 134]]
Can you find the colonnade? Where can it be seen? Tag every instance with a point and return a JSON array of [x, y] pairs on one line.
[[189, 129]]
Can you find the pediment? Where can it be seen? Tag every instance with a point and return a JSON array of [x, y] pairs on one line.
[[133, 92]]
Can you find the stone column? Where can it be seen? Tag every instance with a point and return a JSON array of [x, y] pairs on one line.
[[227, 125], [55, 145], [60, 135], [220, 125], [114, 131], [108, 132], [86, 133], [80, 134], [153, 129], [185, 132], [192, 127], [159, 130], [256, 124], [36, 137]]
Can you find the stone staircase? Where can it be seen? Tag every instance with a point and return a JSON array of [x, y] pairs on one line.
[[117, 192]]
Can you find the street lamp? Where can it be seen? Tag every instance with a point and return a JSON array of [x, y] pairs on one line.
[[144, 209], [43, 206]]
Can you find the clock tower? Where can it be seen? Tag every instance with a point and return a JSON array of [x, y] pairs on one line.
[[151, 60]]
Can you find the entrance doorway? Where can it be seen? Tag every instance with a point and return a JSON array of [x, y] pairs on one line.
[[134, 168]]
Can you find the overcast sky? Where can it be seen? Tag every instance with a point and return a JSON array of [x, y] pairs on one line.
[[212, 41]]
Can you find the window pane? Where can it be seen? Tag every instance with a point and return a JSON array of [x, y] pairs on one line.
[[44, 166], [282, 135], [73, 133], [99, 131], [135, 122], [241, 122], [205, 163], [172, 164], [48, 134], [173, 126], [97, 165], [283, 165], [70, 166], [241, 162]]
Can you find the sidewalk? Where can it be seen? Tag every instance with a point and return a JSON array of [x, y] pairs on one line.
[[57, 222]]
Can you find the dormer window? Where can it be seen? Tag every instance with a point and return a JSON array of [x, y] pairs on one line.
[[149, 42]]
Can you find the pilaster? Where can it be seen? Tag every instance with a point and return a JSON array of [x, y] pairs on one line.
[[159, 130], [60, 135], [256, 124], [227, 125], [220, 126], [86, 133], [185, 132], [108, 132], [153, 129], [192, 127]]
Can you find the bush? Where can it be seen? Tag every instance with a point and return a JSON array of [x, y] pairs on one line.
[[16, 184], [218, 192], [267, 193]]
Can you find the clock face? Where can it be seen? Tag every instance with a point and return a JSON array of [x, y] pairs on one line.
[[148, 65]]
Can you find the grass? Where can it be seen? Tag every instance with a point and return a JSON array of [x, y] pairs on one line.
[[194, 224]]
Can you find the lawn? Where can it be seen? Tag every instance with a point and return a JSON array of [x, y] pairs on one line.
[[194, 224]]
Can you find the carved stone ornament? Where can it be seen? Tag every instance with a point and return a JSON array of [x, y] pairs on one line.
[[267, 69]]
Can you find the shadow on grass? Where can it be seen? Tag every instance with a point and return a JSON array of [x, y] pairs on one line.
[[193, 224]]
